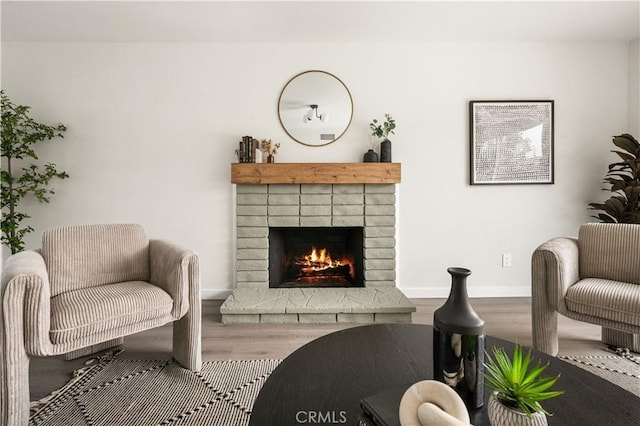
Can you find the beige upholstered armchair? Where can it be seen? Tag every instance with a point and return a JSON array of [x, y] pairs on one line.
[[593, 278], [83, 291]]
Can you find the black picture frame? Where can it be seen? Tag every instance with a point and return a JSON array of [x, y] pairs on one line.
[[511, 142]]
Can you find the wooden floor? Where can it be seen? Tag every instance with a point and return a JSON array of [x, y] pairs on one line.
[[507, 318]]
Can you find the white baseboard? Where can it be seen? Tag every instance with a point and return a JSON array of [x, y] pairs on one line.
[[215, 293], [411, 293], [443, 292]]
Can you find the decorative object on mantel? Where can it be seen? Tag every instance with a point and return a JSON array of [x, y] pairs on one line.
[[511, 142], [298, 105], [458, 343], [430, 402], [370, 156], [382, 131], [248, 150], [270, 149], [517, 390], [624, 177]]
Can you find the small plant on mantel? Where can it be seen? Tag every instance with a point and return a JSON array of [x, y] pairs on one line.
[[270, 149], [518, 388], [383, 130]]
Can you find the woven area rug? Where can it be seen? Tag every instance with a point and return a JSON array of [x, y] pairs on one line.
[[130, 392], [620, 367]]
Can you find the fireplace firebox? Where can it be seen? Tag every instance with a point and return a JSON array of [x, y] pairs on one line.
[[315, 257]]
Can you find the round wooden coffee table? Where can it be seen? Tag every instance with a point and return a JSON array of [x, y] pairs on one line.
[[326, 379]]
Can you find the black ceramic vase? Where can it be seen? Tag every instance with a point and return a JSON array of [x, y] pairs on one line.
[[458, 343], [370, 156], [385, 151]]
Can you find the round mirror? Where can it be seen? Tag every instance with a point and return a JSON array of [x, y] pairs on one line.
[[315, 108]]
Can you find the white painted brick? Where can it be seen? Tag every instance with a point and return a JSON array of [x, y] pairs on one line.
[[347, 221], [284, 210], [348, 199], [252, 276], [284, 220], [284, 189], [379, 253], [356, 318], [317, 318], [251, 210], [379, 231], [379, 284], [380, 199], [315, 199], [316, 189], [380, 220], [375, 188], [348, 210], [348, 189], [252, 265], [251, 199], [284, 199], [255, 243], [380, 210], [248, 232], [279, 318], [375, 275], [371, 264], [252, 254], [251, 189], [315, 210], [315, 221], [383, 242], [251, 221]]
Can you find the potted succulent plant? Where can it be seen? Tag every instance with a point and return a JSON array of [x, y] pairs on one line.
[[382, 131], [517, 390]]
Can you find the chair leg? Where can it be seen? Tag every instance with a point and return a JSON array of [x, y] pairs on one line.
[[187, 339], [14, 383], [544, 320], [93, 349], [621, 339]]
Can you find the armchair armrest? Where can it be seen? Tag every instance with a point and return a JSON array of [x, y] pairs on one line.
[[26, 295], [172, 269], [554, 268]]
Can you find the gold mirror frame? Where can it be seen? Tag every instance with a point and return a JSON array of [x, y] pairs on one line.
[[329, 94]]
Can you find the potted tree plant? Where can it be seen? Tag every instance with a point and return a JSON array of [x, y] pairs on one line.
[[20, 133], [624, 179], [517, 390]]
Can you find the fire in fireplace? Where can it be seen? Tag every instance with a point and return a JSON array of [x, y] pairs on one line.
[[315, 257]]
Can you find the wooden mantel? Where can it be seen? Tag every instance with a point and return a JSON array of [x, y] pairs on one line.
[[266, 173]]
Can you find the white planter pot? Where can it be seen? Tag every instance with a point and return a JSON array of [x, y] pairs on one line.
[[501, 415]]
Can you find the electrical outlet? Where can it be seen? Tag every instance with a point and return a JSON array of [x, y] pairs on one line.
[[506, 260]]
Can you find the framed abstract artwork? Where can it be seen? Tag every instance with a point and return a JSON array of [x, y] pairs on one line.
[[511, 142]]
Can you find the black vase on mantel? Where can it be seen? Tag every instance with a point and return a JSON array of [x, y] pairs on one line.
[[458, 343], [370, 156], [385, 151]]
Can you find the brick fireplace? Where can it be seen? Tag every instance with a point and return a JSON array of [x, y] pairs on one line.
[[316, 195]]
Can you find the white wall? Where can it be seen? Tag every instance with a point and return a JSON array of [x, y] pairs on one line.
[[153, 127], [634, 88]]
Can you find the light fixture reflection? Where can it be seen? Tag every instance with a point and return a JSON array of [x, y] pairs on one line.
[[313, 113]]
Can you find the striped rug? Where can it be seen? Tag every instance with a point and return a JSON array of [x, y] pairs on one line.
[[619, 366], [132, 392]]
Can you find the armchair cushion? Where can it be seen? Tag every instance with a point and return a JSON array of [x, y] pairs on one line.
[[610, 251], [607, 299], [122, 306], [93, 255]]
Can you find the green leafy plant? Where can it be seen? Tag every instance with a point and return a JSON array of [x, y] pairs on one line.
[[517, 386], [20, 133], [624, 180], [383, 130]]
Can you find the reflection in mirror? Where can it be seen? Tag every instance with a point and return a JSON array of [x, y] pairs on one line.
[[315, 108]]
